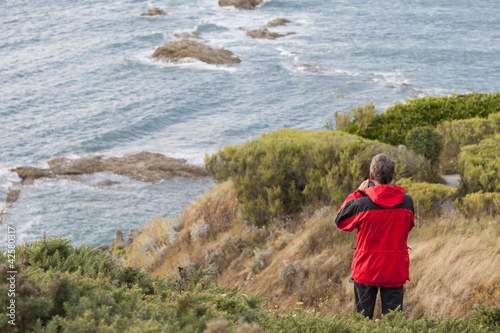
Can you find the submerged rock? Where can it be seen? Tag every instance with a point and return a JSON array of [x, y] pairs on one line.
[[177, 50], [240, 4], [106, 182], [12, 196], [187, 35], [264, 33], [144, 166], [154, 12], [277, 22]]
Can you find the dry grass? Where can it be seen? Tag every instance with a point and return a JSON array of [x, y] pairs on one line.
[[450, 256]]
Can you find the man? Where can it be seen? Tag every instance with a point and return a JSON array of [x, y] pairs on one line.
[[383, 216]]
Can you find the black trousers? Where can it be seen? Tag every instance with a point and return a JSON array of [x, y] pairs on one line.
[[365, 297]]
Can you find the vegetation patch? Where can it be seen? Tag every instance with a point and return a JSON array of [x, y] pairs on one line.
[[281, 171], [479, 203], [393, 125], [479, 165], [459, 133], [430, 196]]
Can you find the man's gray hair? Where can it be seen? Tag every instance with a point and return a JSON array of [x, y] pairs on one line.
[[382, 167]]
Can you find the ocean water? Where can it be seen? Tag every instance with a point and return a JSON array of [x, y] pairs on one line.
[[77, 80]]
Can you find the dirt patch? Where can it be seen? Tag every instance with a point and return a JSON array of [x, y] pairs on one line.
[[177, 50], [144, 166], [240, 4], [154, 12]]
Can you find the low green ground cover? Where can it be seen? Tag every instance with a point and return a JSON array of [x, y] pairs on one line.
[[479, 165], [60, 288]]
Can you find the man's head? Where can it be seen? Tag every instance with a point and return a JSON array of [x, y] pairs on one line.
[[382, 169]]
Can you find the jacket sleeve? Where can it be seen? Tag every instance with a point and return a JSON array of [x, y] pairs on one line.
[[347, 218], [354, 195]]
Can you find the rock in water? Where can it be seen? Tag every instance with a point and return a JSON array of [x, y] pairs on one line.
[[277, 22], [29, 174], [176, 50], [240, 4], [12, 196], [155, 11], [147, 167], [264, 33]]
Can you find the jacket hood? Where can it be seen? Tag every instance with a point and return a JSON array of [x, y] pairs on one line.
[[386, 196]]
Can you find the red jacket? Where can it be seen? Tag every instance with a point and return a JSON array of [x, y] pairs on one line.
[[383, 215]]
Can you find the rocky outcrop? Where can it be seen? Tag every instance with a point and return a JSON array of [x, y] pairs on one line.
[[240, 4], [144, 166], [177, 50], [154, 12], [277, 22], [266, 34]]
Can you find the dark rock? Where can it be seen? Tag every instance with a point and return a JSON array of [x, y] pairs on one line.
[[177, 50], [240, 4]]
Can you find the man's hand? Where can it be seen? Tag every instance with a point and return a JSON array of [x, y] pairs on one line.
[[364, 185]]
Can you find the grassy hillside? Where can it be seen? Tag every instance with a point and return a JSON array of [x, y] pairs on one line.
[[305, 258], [268, 227]]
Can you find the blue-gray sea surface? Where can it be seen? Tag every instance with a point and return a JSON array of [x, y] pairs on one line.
[[77, 80]]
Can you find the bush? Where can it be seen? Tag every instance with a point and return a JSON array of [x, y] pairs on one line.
[[479, 203], [357, 120], [280, 171], [459, 133], [425, 141], [479, 165], [393, 125], [431, 196]]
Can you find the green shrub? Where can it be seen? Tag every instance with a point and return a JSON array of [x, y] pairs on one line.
[[431, 196], [459, 133], [280, 171], [479, 165], [479, 203], [425, 141], [357, 121], [393, 125]]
